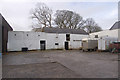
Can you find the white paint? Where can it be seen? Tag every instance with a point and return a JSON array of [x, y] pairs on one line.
[[106, 33], [103, 43], [76, 41], [32, 41], [106, 37]]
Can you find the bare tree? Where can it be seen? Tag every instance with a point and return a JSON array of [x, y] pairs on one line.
[[68, 19], [91, 26], [42, 14]]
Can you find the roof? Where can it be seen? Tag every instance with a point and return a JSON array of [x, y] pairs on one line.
[[37, 29], [65, 30], [116, 26], [5, 23]]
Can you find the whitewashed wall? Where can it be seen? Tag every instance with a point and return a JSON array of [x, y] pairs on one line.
[[103, 44], [55, 38], [32, 41], [106, 33], [106, 37], [76, 41]]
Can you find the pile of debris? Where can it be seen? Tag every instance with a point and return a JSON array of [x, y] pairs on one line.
[[114, 47]]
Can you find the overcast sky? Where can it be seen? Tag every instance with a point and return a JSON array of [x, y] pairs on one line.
[[17, 13]]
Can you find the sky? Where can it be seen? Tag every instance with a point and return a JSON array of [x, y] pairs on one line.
[[17, 12]]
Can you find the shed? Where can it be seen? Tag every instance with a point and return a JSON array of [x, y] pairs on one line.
[[4, 28]]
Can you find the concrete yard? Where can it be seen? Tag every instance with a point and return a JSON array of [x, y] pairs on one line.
[[60, 64]]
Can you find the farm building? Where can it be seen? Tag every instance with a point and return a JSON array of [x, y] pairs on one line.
[[112, 32], [51, 38], [4, 28], [106, 37]]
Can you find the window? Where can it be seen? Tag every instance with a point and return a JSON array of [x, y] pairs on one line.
[[15, 34], [38, 35], [27, 34], [96, 36], [67, 37]]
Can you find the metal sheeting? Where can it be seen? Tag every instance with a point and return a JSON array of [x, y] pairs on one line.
[[116, 26], [0, 33]]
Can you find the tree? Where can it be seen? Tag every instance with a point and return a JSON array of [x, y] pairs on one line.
[[68, 19], [42, 14], [91, 26]]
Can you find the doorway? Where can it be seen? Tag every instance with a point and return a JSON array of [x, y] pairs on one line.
[[66, 45], [42, 45]]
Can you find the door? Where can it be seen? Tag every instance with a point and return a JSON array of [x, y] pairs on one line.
[[42, 45], [66, 45]]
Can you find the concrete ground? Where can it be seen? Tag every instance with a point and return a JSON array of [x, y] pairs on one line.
[[60, 64]]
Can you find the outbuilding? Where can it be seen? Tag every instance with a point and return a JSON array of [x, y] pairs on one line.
[[113, 32], [50, 38], [4, 28], [106, 37]]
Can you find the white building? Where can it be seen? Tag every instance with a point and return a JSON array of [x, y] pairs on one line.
[[113, 32], [107, 36], [56, 38], [51, 38], [105, 33]]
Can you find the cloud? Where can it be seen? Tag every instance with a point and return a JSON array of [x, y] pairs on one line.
[[17, 12], [114, 12], [60, 0], [104, 13]]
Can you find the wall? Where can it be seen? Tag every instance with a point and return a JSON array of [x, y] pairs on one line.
[[55, 38], [103, 44], [5, 28], [119, 35], [76, 41], [19, 39], [0, 33], [108, 36], [106, 33]]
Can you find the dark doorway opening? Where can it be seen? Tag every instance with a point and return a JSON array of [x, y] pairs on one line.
[[66, 45], [42, 45]]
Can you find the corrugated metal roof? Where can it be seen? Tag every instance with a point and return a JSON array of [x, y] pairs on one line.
[[65, 30], [116, 26]]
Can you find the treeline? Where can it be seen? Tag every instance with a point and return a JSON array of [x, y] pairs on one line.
[[43, 16]]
